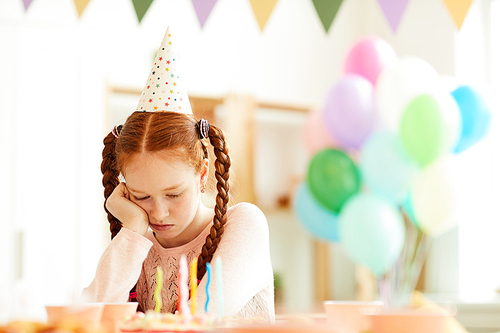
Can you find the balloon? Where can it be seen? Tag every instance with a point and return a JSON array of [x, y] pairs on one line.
[[314, 133], [430, 127], [433, 199], [372, 232], [407, 206], [475, 116], [368, 57], [399, 84], [333, 178], [386, 167], [349, 111], [319, 221]]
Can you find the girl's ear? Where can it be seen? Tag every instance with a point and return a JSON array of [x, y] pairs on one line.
[[204, 173]]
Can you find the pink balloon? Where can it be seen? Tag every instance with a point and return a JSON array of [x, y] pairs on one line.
[[314, 133], [368, 57]]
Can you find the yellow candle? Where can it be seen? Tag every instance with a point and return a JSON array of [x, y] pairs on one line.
[[194, 284], [157, 292]]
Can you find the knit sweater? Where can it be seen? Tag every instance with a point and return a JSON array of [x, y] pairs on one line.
[[246, 267]]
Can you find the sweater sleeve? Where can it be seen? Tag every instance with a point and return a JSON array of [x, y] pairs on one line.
[[119, 268], [246, 260]]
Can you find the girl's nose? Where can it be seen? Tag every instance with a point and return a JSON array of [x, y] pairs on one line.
[[159, 212]]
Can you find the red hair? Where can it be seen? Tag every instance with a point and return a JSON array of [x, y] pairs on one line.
[[175, 135]]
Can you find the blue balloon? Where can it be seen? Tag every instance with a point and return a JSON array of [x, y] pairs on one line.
[[319, 221], [475, 115], [386, 167]]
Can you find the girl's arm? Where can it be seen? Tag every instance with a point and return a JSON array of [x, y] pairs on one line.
[[246, 260], [119, 268]]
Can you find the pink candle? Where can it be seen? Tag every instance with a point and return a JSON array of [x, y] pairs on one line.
[[183, 288]]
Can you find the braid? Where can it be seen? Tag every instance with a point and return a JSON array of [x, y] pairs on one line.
[[110, 179], [222, 165]]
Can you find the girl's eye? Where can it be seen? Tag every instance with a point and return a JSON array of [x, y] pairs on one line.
[[143, 198], [174, 195]]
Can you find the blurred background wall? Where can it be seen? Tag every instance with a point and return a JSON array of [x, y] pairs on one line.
[[55, 72]]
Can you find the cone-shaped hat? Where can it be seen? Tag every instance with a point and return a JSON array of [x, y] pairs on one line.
[[164, 90]]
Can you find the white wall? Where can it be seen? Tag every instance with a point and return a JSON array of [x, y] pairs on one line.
[[54, 68]]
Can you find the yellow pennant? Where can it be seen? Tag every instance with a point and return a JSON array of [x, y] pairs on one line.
[[458, 10], [80, 6], [262, 9]]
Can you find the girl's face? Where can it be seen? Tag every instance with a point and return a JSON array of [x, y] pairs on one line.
[[169, 191]]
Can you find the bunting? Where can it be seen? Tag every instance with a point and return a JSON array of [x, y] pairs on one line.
[[203, 8], [458, 10], [327, 10], [262, 9], [141, 7], [80, 6], [26, 3], [393, 11]]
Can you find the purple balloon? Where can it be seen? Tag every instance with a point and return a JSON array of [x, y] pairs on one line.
[[349, 111]]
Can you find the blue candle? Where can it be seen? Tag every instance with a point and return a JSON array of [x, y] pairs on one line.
[[209, 273]]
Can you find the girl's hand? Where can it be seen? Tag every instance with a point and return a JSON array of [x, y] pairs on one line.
[[131, 215]]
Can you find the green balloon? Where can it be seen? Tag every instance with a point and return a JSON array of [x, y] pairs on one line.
[[372, 231], [423, 130], [333, 178]]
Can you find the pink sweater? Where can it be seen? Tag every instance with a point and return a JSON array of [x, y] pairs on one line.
[[246, 267]]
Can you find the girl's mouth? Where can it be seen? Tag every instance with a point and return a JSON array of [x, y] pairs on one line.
[[161, 227]]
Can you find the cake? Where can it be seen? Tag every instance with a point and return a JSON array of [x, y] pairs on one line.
[[152, 322]]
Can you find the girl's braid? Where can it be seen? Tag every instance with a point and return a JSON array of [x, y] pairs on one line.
[[222, 165], [110, 179]]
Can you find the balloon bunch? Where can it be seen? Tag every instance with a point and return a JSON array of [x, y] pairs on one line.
[[379, 148]]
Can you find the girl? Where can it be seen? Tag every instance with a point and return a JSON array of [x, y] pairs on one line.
[[157, 215]]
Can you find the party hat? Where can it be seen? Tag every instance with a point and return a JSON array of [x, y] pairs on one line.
[[164, 90]]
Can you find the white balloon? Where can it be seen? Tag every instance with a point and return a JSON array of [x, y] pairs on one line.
[[399, 84], [433, 198]]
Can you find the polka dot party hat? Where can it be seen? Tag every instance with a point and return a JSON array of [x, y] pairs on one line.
[[164, 90]]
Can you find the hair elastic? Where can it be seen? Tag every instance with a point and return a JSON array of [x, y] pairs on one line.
[[203, 127], [114, 132], [133, 295]]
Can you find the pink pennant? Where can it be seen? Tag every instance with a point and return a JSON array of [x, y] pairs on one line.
[[393, 11], [26, 3], [203, 9]]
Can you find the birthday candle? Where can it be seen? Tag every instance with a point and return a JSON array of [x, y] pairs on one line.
[[157, 292], [194, 284], [183, 288], [209, 273], [218, 278]]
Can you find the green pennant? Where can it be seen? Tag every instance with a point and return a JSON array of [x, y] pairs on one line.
[[141, 7], [327, 9]]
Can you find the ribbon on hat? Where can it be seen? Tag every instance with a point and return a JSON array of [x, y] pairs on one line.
[[164, 90]]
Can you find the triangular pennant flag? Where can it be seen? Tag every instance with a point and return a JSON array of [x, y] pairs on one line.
[[393, 11], [164, 90], [80, 6], [141, 7], [458, 10], [327, 10], [262, 9], [26, 3], [203, 8]]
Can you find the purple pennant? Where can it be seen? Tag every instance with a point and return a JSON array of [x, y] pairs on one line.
[[26, 3], [393, 11], [203, 9]]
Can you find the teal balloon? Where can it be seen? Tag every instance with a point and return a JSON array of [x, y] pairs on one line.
[[319, 221], [333, 178], [372, 232], [407, 206], [386, 167], [476, 116]]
